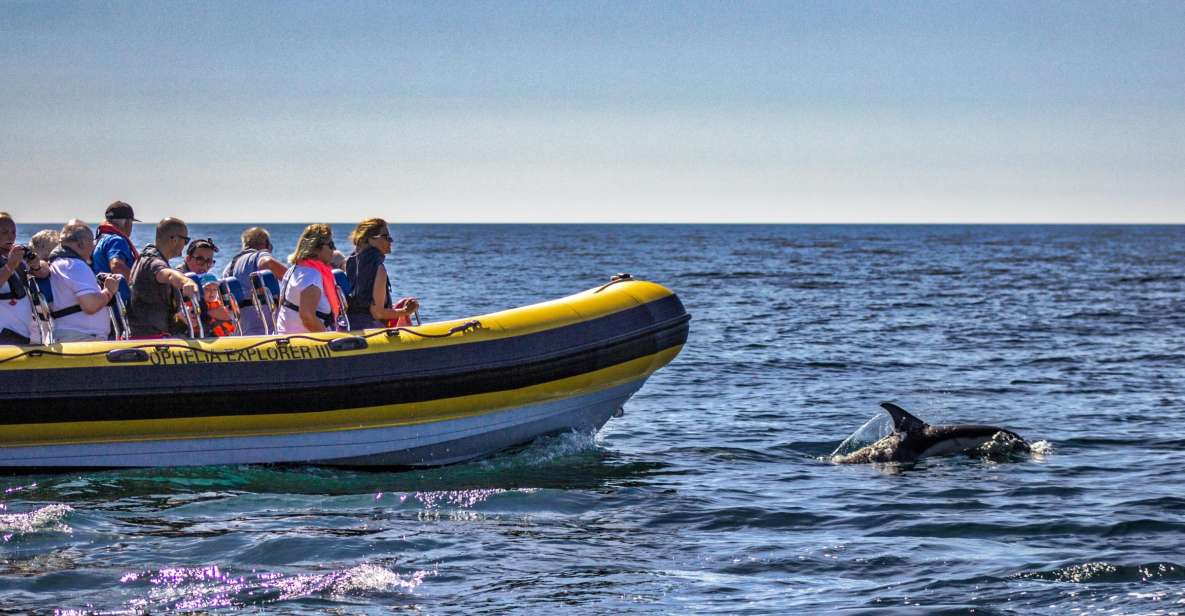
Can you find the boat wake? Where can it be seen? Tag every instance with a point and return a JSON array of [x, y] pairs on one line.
[[565, 447]]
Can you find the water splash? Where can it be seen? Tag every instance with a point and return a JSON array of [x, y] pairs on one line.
[[1040, 449], [547, 450], [211, 587], [1109, 573], [1001, 445], [873, 430], [48, 518]]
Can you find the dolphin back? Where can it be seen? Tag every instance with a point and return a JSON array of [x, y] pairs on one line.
[[902, 420]]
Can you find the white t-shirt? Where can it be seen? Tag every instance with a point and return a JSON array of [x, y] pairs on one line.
[[16, 317], [71, 279], [299, 278]]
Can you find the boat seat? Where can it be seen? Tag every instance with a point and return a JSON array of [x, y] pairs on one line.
[[343, 281], [232, 287]]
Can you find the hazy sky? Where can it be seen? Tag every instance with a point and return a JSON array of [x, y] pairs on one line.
[[712, 111]]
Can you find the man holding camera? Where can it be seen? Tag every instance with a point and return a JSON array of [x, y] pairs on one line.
[[16, 263], [80, 307]]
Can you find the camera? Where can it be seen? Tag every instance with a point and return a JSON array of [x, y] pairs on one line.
[[29, 254]]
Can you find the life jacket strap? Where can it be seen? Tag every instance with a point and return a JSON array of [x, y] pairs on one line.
[[67, 311], [324, 316]]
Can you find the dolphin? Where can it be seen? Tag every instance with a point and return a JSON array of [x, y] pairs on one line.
[[913, 439]]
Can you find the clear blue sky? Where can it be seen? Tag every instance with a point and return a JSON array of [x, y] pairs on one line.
[[832, 111]]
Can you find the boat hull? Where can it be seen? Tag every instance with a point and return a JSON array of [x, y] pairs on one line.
[[429, 444], [426, 396]]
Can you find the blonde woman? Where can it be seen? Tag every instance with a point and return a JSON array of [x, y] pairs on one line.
[[370, 289], [44, 241], [308, 295]]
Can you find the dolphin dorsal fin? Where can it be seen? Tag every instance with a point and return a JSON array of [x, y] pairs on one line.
[[902, 420]]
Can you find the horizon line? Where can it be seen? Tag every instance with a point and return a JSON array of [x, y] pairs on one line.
[[688, 223]]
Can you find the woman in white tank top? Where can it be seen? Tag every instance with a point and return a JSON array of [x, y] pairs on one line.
[[308, 299]]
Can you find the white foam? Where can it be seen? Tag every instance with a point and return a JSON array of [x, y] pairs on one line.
[[367, 578], [1041, 448], [48, 517]]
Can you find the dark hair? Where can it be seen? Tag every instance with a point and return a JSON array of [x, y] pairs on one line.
[[203, 243]]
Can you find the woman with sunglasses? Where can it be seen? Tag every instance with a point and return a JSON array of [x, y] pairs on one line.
[[199, 259], [370, 289], [199, 256], [308, 294]]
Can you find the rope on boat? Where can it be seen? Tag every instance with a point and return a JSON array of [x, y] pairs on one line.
[[390, 332], [616, 278]]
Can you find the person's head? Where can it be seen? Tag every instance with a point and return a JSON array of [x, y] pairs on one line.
[[257, 238], [44, 241], [338, 260], [77, 236], [121, 216], [172, 234], [372, 232], [199, 255], [209, 287], [7, 232], [316, 242]]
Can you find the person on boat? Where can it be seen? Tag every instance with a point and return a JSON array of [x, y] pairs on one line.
[[216, 317], [16, 263], [308, 294], [43, 243], [152, 312], [370, 288], [114, 251], [79, 305], [199, 259], [255, 256]]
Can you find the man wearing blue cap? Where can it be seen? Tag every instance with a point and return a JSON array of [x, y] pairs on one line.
[[114, 251]]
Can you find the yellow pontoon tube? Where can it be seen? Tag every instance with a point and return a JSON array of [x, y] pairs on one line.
[[425, 395]]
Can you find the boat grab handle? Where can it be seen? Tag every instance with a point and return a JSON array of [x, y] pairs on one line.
[[126, 356], [349, 343]]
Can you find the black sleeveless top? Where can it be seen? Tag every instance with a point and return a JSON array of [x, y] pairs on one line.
[[360, 269]]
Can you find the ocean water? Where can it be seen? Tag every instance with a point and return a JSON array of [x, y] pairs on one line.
[[713, 493]]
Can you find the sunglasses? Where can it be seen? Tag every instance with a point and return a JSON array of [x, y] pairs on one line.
[[206, 260], [385, 236], [184, 237], [330, 244]]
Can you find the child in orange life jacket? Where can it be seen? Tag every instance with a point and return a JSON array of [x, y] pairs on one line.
[[216, 319]]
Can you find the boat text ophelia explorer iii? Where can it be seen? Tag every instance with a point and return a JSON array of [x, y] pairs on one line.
[[415, 396]]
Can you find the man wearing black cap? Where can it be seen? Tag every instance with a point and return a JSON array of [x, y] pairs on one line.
[[114, 251]]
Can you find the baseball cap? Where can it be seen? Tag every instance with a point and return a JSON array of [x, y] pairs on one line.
[[119, 209]]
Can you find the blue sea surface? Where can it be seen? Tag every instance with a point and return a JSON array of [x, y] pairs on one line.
[[714, 493]]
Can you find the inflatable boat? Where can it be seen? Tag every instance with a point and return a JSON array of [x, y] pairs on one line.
[[425, 395]]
